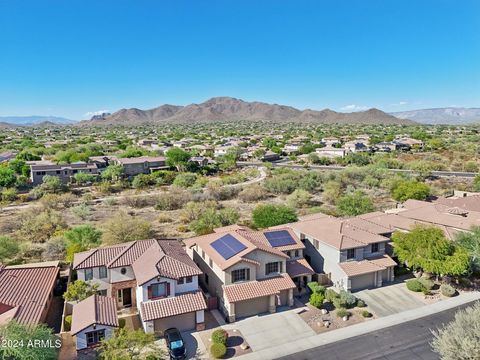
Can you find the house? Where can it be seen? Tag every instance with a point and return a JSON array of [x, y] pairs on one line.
[[154, 277], [199, 160], [291, 148], [22, 296], [355, 146], [7, 156], [93, 320], [64, 172], [350, 252], [330, 152], [149, 144], [140, 165], [331, 141], [270, 156], [250, 272]]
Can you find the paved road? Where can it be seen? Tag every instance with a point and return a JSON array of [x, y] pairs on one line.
[[337, 168], [406, 341]]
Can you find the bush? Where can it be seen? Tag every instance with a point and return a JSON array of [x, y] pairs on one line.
[[172, 200], [349, 299], [253, 193], [185, 179], [316, 299], [330, 295], [9, 194], [360, 303], [315, 287], [414, 285], [218, 350], [447, 290], [265, 216], [366, 314], [121, 323], [339, 303], [220, 336], [426, 283], [68, 323], [343, 312]]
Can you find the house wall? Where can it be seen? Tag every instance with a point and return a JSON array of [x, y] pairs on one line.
[[216, 276], [103, 284], [81, 338], [367, 250], [117, 276], [240, 265], [263, 258]]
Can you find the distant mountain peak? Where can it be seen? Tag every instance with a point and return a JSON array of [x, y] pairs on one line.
[[447, 115]]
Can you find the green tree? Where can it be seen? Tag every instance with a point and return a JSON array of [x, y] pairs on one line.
[[84, 178], [123, 228], [51, 185], [80, 290], [459, 339], [178, 158], [112, 172], [8, 248], [15, 333], [81, 238], [427, 248], [470, 241], [130, 345], [20, 167], [7, 177], [185, 179], [264, 216], [410, 189], [354, 204]]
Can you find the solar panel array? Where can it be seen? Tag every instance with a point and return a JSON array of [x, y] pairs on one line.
[[227, 246], [279, 238]]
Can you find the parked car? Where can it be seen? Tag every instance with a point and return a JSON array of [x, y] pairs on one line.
[[175, 344]]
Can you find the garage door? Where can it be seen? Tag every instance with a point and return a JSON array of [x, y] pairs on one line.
[[363, 282], [385, 277], [283, 298], [182, 322], [251, 307]]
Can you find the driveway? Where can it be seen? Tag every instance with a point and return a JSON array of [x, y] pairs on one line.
[[270, 330], [390, 299]]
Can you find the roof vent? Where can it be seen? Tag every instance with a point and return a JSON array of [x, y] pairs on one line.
[[457, 211]]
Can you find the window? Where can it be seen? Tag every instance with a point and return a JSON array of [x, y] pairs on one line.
[[240, 275], [120, 295], [289, 253], [94, 337], [158, 290], [102, 292], [210, 262], [206, 279], [316, 244], [203, 254], [189, 279], [273, 268], [58, 172], [296, 253], [102, 272], [180, 281], [88, 274], [375, 248], [123, 271], [351, 254]]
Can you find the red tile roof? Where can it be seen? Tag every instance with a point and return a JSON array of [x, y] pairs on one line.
[[171, 306], [299, 267], [94, 310], [258, 288], [25, 290], [366, 266]]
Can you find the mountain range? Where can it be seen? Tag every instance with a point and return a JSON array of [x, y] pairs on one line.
[[35, 120], [226, 109], [448, 115]]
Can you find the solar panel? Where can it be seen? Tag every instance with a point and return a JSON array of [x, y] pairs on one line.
[[227, 246], [279, 238]]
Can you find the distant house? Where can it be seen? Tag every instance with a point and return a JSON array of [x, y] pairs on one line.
[[64, 172], [291, 148], [140, 165], [149, 144], [199, 160], [330, 152], [93, 320], [331, 141], [7, 156], [26, 292], [270, 156], [355, 146]]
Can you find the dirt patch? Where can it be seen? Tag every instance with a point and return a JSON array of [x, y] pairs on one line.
[[235, 343]]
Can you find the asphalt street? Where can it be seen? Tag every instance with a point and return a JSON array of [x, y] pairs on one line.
[[406, 341]]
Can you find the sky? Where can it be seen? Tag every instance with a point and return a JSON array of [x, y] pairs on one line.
[[77, 57]]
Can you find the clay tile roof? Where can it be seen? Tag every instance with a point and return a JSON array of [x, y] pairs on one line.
[[98, 257], [258, 288], [22, 296], [171, 306], [94, 310], [131, 253], [353, 268], [469, 203], [299, 267], [164, 258]]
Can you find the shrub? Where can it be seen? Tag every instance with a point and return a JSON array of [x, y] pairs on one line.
[[349, 299], [366, 314], [414, 285], [360, 303], [447, 290], [330, 295], [265, 216], [343, 312], [185, 179], [253, 193], [353, 204], [68, 323], [164, 218], [218, 350], [426, 292], [316, 299], [9, 194], [220, 336], [299, 198], [121, 323], [172, 200], [315, 287], [426, 283], [339, 303]]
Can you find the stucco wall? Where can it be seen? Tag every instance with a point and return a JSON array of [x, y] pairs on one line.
[[81, 338]]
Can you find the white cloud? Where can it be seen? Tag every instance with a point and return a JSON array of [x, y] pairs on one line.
[[353, 107], [400, 103], [93, 113]]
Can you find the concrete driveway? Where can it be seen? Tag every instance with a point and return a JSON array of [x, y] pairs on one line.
[[270, 330], [390, 299]]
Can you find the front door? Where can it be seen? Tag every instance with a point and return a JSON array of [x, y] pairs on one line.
[[127, 297]]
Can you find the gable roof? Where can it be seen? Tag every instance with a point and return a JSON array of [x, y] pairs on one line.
[[174, 305], [94, 310]]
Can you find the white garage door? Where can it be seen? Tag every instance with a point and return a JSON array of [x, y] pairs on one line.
[[182, 322], [363, 282], [251, 307]]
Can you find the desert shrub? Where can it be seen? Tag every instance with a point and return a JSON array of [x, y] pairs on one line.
[[57, 201], [348, 298], [354, 204], [360, 303], [315, 287], [142, 181], [220, 336], [316, 299], [164, 177], [330, 295], [8, 248], [219, 192], [121, 323], [68, 322], [338, 302], [123, 228], [426, 283], [265, 216], [342, 312], [40, 226], [366, 314], [447, 290], [185, 180], [164, 218], [299, 198], [138, 202], [82, 211], [54, 249], [9, 194], [253, 193], [218, 350], [172, 200], [414, 285]]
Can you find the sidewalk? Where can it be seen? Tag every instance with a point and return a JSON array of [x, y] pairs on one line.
[[359, 329]]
